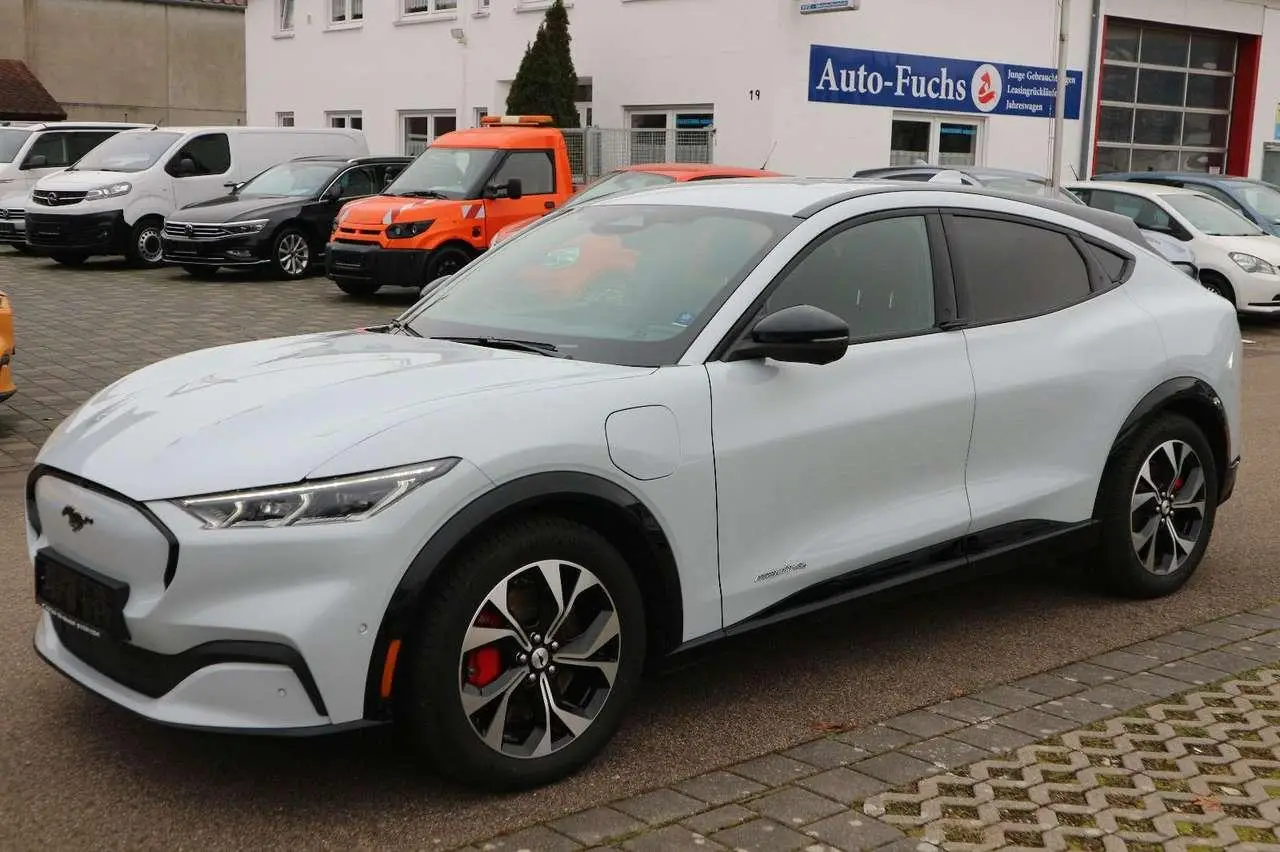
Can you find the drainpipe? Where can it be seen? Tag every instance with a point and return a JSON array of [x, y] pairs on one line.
[[1088, 107], [1060, 102]]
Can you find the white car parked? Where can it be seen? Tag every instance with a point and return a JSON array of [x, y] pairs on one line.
[[662, 418], [1237, 259]]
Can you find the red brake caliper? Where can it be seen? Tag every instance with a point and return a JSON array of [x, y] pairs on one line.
[[484, 664]]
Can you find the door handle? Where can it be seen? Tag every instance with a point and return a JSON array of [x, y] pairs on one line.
[[550, 205]]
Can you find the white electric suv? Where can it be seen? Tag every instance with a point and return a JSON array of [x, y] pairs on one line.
[[665, 417]]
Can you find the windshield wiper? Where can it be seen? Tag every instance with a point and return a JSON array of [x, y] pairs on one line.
[[540, 347], [421, 193], [399, 325]]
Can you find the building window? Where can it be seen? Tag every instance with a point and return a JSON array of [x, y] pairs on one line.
[[284, 16], [421, 129], [936, 141], [428, 7], [348, 120], [478, 115], [670, 135], [284, 119], [481, 8], [1166, 99], [346, 11]]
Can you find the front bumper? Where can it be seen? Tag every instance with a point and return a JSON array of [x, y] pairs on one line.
[[252, 250], [92, 233], [1229, 481], [1257, 294], [13, 228], [7, 388], [371, 263], [266, 631]]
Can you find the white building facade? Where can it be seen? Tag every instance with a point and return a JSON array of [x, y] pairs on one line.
[[1153, 84]]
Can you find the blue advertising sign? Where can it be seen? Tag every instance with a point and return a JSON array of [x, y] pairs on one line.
[[846, 75]]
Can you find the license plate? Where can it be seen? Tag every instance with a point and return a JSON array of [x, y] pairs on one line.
[[81, 597], [8, 228]]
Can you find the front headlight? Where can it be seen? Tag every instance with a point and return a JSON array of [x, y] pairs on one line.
[[252, 226], [109, 191], [404, 230], [342, 499], [1249, 263]]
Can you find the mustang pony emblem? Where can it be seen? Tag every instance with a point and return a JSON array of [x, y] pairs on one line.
[[75, 519]]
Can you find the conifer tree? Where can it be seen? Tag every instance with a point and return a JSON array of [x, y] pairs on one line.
[[546, 82]]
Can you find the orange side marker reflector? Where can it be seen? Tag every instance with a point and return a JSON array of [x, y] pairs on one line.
[[389, 667]]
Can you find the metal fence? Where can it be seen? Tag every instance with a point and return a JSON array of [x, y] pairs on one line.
[[596, 150]]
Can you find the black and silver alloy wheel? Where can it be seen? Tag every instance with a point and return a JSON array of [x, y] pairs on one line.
[[539, 659], [293, 255], [1168, 507]]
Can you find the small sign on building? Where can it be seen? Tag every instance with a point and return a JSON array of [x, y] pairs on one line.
[[813, 7]]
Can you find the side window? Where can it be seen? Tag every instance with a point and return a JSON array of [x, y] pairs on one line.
[[358, 182], [1112, 263], [51, 146], [1145, 214], [1012, 270], [877, 277], [211, 154], [388, 173], [534, 168], [81, 143]]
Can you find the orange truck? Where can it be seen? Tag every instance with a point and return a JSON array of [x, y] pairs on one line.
[[6, 348], [446, 206]]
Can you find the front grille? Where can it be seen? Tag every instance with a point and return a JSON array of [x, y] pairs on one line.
[[12, 213], [193, 231], [57, 199]]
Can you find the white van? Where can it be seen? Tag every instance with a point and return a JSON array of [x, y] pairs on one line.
[[115, 199], [31, 150]]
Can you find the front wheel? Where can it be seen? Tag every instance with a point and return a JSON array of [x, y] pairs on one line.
[[202, 272], [358, 288], [445, 262], [67, 258], [145, 249], [1218, 286], [290, 254], [527, 656], [1158, 504]]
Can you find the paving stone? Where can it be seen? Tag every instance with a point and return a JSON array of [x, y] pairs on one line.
[[762, 835], [1195, 641], [1048, 685], [1255, 650], [1271, 610], [969, 710], [660, 806], [946, 753], [1124, 661], [537, 837], [1190, 673], [1224, 661], [794, 806], [1253, 621], [844, 785], [1035, 722], [719, 819], [854, 831], [1087, 673], [1117, 698], [1153, 684], [993, 737], [896, 768], [1271, 638], [1232, 632], [826, 753], [773, 770], [674, 838], [597, 825], [923, 723], [1158, 650], [1076, 709], [877, 739], [1009, 697], [719, 788]]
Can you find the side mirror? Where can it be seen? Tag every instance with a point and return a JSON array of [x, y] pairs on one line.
[[36, 161], [186, 166], [333, 193], [515, 189], [802, 334], [234, 186]]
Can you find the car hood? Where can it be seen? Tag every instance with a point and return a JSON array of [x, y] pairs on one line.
[[272, 411], [230, 208], [1265, 246], [376, 210], [81, 181]]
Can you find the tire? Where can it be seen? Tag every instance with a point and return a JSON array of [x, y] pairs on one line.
[[22, 249], [291, 254], [69, 258], [1137, 566], [1216, 284], [358, 288], [202, 272], [445, 261], [145, 250], [430, 709]]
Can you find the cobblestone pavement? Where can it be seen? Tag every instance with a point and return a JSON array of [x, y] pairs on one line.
[[1172, 743]]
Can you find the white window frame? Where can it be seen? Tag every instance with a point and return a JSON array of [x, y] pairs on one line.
[[480, 8], [346, 115], [478, 113], [538, 5], [431, 115], [670, 112], [286, 119], [935, 120], [432, 12], [352, 13], [286, 16]]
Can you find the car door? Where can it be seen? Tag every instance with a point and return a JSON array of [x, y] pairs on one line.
[[825, 470], [355, 182], [537, 172], [200, 168], [1059, 355]]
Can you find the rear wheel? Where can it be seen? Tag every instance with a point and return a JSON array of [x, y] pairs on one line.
[[526, 657], [145, 249], [358, 288], [1216, 284], [204, 272], [69, 258]]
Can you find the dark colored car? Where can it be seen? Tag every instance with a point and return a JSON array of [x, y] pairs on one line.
[[1256, 200], [280, 218]]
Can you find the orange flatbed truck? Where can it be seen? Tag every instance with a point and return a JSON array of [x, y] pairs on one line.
[[443, 209]]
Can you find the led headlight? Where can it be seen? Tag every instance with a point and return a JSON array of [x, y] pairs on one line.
[[342, 499], [249, 226], [404, 230], [1249, 263], [108, 191]]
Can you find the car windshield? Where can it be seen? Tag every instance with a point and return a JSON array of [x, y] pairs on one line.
[[295, 180], [618, 182], [127, 152], [628, 284], [1212, 217], [11, 142], [1262, 197], [449, 172]]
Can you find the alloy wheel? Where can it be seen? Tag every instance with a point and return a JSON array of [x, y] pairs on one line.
[[293, 255], [539, 659], [1167, 509], [150, 249]]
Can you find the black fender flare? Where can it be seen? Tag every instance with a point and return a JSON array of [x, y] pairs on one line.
[[552, 490]]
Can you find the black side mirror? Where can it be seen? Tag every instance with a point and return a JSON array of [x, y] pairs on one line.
[[801, 334], [515, 189], [333, 193], [36, 161]]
